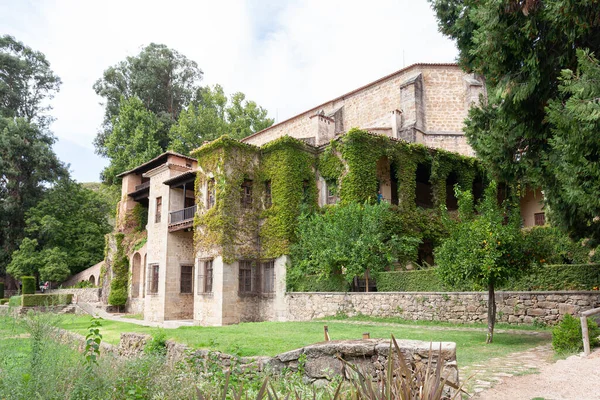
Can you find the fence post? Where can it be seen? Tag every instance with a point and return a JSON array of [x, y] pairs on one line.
[[586, 335]]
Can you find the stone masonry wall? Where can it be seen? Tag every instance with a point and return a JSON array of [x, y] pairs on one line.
[[321, 361], [512, 307], [88, 295]]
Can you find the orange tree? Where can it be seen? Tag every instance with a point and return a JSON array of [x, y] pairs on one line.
[[484, 248]]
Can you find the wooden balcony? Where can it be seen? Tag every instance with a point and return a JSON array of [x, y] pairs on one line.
[[182, 219]]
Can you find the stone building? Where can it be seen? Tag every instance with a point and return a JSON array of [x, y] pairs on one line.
[[220, 222]]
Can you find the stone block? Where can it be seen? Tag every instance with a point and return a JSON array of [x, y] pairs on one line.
[[536, 312]]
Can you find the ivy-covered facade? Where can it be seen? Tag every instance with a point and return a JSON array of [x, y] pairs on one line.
[[221, 222]]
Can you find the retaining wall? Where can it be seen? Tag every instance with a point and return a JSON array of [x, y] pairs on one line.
[[88, 295], [459, 307]]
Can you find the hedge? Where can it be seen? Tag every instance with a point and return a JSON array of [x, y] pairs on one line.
[[3, 301], [540, 278], [310, 283], [28, 284], [1, 290], [32, 300], [558, 277], [422, 280], [14, 301]]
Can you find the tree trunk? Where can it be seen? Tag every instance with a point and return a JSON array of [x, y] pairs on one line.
[[491, 313]]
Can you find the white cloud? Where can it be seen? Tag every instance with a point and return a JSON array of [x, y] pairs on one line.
[[288, 56]]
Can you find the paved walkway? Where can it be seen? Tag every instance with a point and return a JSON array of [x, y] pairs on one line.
[[93, 310]]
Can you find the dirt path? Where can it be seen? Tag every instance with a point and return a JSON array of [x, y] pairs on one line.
[[576, 378]]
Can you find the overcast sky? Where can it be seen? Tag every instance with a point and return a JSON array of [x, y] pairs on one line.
[[286, 55]]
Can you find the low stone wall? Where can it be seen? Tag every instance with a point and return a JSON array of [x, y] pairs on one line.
[[512, 307], [319, 361], [87, 295]]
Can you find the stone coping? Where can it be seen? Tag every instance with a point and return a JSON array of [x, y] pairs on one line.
[[547, 292]]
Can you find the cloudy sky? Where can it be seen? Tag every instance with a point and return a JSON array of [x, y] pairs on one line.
[[287, 55]]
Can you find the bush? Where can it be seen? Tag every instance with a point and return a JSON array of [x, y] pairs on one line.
[[557, 277], [551, 246], [567, 337], [312, 283], [28, 284], [1, 290], [33, 300], [83, 285], [3, 301], [15, 301], [425, 280], [117, 296]]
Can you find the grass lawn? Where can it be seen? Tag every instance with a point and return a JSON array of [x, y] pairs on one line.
[[271, 338]]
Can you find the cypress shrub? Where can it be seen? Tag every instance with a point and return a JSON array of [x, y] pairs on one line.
[[30, 300], [28, 284], [1, 290]]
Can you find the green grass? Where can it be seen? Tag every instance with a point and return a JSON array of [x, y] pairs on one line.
[[402, 321], [271, 338], [139, 317]]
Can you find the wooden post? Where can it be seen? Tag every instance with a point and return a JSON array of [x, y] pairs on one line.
[[586, 335], [326, 330], [366, 335]]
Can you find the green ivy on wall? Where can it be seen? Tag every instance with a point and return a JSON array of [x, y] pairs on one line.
[[120, 278], [267, 229], [289, 165], [227, 225]]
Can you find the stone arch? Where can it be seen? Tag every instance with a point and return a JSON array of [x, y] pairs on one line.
[[136, 270], [92, 280]]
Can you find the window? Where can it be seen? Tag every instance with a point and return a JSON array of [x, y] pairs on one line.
[[153, 279], [187, 282], [210, 193], [268, 281], [158, 215], [268, 200], [246, 199], [245, 284], [208, 276], [539, 219], [332, 192]]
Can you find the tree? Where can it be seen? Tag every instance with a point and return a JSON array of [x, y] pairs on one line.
[[350, 240], [164, 80], [213, 115], [27, 166], [48, 264], [134, 139], [484, 248], [521, 47], [26, 82], [72, 220]]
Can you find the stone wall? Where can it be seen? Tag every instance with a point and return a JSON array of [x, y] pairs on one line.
[[92, 274], [321, 361], [512, 307], [88, 295]]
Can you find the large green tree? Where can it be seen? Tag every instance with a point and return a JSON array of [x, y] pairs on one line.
[[134, 139], [74, 220], [164, 80], [484, 248], [521, 48], [213, 115], [26, 82], [27, 166], [348, 240]]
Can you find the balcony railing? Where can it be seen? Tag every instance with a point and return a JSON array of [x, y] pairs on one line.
[[186, 214], [142, 186]]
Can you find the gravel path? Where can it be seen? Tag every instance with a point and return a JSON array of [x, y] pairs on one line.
[[576, 378]]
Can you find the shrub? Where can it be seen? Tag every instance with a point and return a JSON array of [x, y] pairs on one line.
[[3, 301], [558, 277], [117, 296], [15, 301], [312, 283], [1, 290], [158, 344], [425, 280], [28, 284], [566, 336], [83, 285], [551, 246], [34, 300]]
